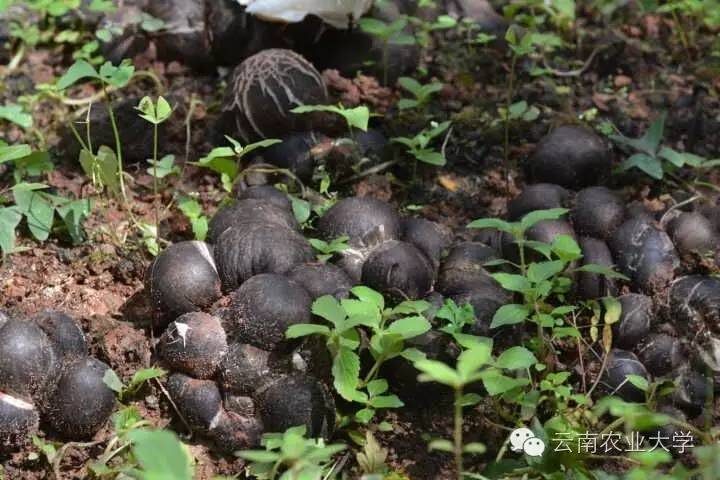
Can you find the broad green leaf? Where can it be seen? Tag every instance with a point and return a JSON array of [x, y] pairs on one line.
[[16, 114], [602, 270], [509, 315], [112, 381], [9, 220], [649, 142], [373, 26], [9, 153], [74, 213], [406, 104], [162, 109], [365, 415], [566, 248], [369, 295], [259, 456], [305, 329], [516, 358], [496, 383], [613, 310], [437, 372], [377, 387], [38, 211], [410, 84], [301, 209], [495, 223], [441, 445], [512, 282], [117, 76], [431, 157], [329, 308], [346, 375], [161, 455], [409, 327], [78, 71], [475, 448], [532, 218], [650, 165], [471, 360], [142, 376], [386, 401], [639, 382], [537, 272]]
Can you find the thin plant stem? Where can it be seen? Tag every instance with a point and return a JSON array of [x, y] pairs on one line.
[[458, 432], [155, 179], [508, 103], [118, 151]]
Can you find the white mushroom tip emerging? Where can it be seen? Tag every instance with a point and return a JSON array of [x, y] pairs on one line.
[[334, 12]]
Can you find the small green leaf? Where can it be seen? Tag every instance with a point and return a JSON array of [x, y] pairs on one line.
[[329, 308], [650, 165], [16, 114], [409, 327], [112, 381], [471, 360], [532, 218], [369, 295], [386, 401], [509, 315], [346, 375], [305, 329], [441, 445], [437, 372], [639, 382], [516, 358], [161, 455], [9, 220], [77, 71], [377, 387], [475, 448]]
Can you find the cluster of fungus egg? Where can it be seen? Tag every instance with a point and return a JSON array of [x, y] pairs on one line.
[[569, 165], [46, 373]]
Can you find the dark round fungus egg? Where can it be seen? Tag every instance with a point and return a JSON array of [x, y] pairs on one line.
[[265, 87]]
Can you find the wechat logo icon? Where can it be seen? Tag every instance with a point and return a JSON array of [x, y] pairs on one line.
[[524, 440]]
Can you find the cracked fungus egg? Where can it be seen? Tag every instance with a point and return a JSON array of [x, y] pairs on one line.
[[265, 87]]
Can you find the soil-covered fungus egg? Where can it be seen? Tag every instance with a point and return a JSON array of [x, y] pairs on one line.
[[592, 285], [398, 269], [462, 269], [660, 353], [540, 196], [360, 218], [431, 238], [194, 344], [295, 153], [695, 303], [28, 363], [621, 364], [251, 211], [570, 156], [246, 368], [199, 401], [297, 400], [636, 318], [183, 279], [244, 251], [322, 279], [269, 195], [64, 332], [644, 253], [692, 233], [18, 420], [367, 222], [263, 308], [598, 212], [81, 402], [265, 87]]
